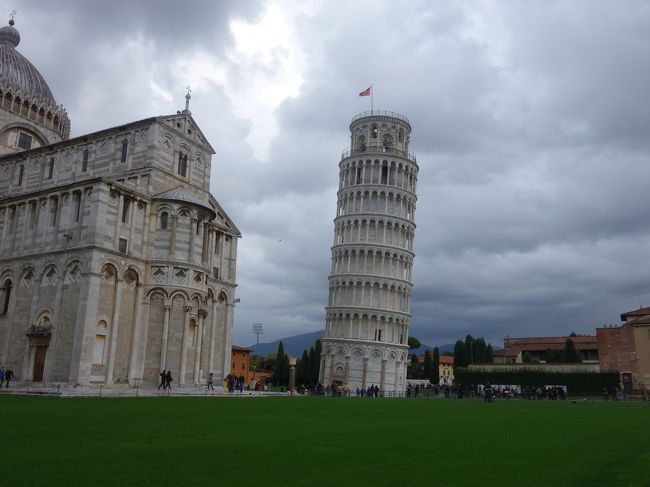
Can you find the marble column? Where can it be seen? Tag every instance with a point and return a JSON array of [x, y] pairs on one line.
[[165, 336], [199, 342], [114, 328], [186, 325], [364, 382]]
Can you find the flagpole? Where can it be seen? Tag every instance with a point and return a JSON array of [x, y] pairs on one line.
[[372, 94]]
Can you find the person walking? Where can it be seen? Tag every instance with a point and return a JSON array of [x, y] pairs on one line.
[[163, 379], [168, 380], [9, 374], [2, 375], [210, 382]]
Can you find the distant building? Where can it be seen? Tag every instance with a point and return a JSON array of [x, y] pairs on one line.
[[446, 369], [626, 349], [536, 348], [241, 362]]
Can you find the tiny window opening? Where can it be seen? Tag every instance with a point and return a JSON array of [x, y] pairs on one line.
[[125, 146], [125, 210], [84, 163]]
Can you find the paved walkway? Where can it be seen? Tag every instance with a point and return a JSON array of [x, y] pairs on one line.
[[121, 390]]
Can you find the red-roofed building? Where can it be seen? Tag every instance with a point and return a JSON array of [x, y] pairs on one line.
[[445, 368], [536, 348]]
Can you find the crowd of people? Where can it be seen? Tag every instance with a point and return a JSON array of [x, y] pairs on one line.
[[233, 383]]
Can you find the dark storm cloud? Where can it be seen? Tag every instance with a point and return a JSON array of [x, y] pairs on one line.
[[531, 141], [529, 122]]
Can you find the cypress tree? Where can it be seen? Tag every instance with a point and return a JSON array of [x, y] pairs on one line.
[[305, 367], [469, 349], [480, 351], [315, 361], [570, 353], [459, 354], [489, 354], [435, 376], [281, 366], [427, 366]]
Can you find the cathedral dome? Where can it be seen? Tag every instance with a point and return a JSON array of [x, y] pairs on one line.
[[17, 73]]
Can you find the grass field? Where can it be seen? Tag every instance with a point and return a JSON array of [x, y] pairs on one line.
[[321, 441]]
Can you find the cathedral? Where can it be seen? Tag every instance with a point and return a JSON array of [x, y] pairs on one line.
[[116, 262]]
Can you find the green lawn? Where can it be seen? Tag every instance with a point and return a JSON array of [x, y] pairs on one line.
[[321, 441]]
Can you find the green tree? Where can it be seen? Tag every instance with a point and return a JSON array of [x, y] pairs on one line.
[[469, 350], [526, 358], [435, 376], [315, 361], [413, 370], [489, 354], [302, 369], [459, 354], [570, 353], [427, 366], [414, 343], [281, 370], [480, 351]]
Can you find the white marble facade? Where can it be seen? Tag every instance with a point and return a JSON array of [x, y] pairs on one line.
[[368, 312], [115, 259]]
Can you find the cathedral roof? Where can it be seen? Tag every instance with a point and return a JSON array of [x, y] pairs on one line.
[[17, 73], [179, 193]]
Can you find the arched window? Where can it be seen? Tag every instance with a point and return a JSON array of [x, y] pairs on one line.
[[99, 352], [6, 296], [164, 217], [182, 164], [388, 142], [400, 135], [125, 146], [373, 131]]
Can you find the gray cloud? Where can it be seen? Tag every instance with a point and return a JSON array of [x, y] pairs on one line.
[[529, 123]]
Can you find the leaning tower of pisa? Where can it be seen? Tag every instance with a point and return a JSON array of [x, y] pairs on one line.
[[368, 310]]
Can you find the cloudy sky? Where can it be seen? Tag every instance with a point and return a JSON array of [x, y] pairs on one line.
[[531, 125]]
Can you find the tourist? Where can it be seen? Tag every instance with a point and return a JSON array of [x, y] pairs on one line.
[[210, 382], [2, 375], [168, 380], [163, 376], [605, 393], [9, 374]]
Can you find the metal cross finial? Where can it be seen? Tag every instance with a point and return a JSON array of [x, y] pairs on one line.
[[188, 89]]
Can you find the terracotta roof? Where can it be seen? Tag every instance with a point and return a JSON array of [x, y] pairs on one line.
[[637, 312], [447, 359], [543, 341], [644, 320], [242, 349]]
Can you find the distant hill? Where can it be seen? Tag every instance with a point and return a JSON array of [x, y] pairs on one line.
[[295, 345]]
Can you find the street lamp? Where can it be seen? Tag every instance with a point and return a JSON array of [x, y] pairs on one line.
[[292, 374], [258, 329]]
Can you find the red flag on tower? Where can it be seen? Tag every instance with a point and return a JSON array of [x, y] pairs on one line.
[[366, 92]]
